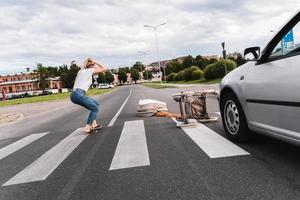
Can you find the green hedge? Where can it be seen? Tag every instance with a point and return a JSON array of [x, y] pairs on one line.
[[179, 76], [217, 70], [187, 73], [197, 74], [171, 77]]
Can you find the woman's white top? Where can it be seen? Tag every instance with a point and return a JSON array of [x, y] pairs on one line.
[[84, 79]]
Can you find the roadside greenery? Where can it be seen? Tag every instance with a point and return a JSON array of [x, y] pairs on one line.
[[201, 69], [186, 69], [135, 75], [122, 75], [199, 81], [67, 75], [158, 86], [52, 97], [197, 74], [218, 69], [41, 76], [147, 75]]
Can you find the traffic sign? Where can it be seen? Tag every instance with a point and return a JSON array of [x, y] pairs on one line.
[[288, 41]]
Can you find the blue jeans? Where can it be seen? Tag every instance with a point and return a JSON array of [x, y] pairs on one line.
[[78, 97]]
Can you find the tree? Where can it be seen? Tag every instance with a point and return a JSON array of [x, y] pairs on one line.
[[187, 73], [114, 71], [41, 75], [147, 75], [217, 70], [53, 71], [101, 78], [188, 62], [135, 75], [62, 69], [171, 77], [72, 74], [240, 60], [179, 76], [109, 77], [173, 66], [139, 66], [68, 76], [200, 62], [197, 74], [212, 60], [122, 76], [231, 58]]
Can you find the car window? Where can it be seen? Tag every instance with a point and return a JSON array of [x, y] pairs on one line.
[[289, 44]]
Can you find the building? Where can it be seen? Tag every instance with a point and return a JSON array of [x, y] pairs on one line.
[[25, 82], [217, 57], [129, 79], [234, 55]]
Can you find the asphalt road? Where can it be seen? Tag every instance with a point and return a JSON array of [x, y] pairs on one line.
[[174, 166]]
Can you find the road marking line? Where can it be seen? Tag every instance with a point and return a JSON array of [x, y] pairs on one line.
[[213, 144], [41, 168], [111, 123], [132, 149], [10, 149]]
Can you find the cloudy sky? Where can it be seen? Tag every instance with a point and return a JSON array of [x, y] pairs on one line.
[[55, 32]]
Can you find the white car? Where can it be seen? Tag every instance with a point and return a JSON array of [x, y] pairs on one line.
[[104, 86], [263, 95]]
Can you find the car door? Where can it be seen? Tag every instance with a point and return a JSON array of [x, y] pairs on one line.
[[272, 85]]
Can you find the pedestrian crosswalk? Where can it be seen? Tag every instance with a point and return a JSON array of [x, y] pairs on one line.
[[12, 148], [48, 162], [213, 144], [131, 150]]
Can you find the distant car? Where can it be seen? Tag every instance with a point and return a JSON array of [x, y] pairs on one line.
[[103, 86], [263, 94], [35, 94], [46, 92]]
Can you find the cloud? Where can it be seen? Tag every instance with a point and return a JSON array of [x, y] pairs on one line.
[[56, 32]]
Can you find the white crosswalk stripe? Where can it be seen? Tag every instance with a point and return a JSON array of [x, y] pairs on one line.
[[41, 168], [12, 148], [213, 144], [132, 149]]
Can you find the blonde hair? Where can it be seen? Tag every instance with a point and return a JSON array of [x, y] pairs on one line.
[[85, 63]]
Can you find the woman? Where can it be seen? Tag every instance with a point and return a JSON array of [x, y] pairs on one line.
[[82, 83]]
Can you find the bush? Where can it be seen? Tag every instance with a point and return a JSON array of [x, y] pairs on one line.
[[171, 77], [179, 76], [197, 74], [187, 73], [217, 70]]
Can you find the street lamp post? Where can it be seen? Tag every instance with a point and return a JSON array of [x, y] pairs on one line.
[[156, 42], [224, 55]]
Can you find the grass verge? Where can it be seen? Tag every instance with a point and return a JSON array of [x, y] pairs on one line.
[[52, 97], [158, 85]]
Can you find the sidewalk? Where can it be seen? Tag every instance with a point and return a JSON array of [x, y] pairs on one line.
[[11, 114]]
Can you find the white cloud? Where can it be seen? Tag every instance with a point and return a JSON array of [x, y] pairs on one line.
[[56, 32]]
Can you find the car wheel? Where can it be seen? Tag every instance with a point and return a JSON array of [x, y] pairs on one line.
[[233, 118]]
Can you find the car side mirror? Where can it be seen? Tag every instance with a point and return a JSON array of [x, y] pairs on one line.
[[252, 53]]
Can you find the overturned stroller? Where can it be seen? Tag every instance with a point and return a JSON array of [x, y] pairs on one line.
[[193, 108]]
